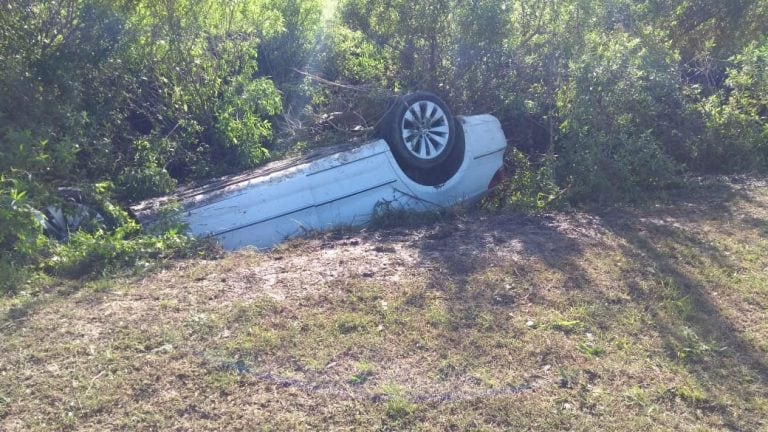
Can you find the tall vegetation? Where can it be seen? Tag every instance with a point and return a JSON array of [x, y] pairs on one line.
[[617, 97], [134, 96], [601, 100]]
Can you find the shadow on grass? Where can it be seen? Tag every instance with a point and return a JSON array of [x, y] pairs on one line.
[[16, 317], [731, 352], [457, 250], [663, 237], [670, 240]]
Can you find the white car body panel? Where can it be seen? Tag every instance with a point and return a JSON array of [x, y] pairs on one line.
[[264, 207]]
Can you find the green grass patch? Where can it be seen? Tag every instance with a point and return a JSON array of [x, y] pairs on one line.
[[614, 324]]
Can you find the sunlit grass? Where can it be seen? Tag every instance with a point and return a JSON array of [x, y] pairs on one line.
[[617, 325]]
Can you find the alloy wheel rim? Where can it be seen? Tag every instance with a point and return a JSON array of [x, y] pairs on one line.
[[425, 130]]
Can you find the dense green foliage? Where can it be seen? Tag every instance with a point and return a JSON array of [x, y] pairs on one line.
[[136, 96], [616, 97], [602, 100]]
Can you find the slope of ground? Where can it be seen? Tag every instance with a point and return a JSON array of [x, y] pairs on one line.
[[649, 318]]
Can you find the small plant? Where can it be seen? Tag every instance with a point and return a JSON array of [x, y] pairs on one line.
[[353, 323], [637, 396], [485, 321], [21, 235], [690, 393], [688, 346], [101, 285], [683, 308], [398, 406], [256, 339], [567, 326], [437, 314], [568, 378], [591, 349], [249, 312], [364, 371], [484, 376], [448, 368]]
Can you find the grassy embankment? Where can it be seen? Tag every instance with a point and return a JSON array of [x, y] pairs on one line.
[[646, 318]]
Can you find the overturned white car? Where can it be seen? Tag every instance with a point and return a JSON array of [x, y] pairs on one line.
[[426, 160]]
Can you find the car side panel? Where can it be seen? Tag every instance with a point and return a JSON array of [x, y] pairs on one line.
[[341, 189]]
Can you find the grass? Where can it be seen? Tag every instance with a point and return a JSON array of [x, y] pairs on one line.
[[648, 318]]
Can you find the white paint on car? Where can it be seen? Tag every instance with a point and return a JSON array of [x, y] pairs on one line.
[[334, 188]]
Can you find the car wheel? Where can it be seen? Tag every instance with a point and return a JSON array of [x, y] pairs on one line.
[[420, 130]]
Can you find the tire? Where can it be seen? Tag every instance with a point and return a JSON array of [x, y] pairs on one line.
[[440, 174], [420, 130]]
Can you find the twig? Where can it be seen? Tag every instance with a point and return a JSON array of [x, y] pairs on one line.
[[332, 83], [91, 384]]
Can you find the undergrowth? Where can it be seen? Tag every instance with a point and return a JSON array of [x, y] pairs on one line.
[[528, 187]]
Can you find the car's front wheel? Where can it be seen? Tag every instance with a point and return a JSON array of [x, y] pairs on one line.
[[420, 130]]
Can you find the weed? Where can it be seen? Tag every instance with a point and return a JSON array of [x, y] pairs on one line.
[[364, 371], [637, 396], [484, 376], [447, 369], [101, 285], [567, 326], [398, 407], [256, 340], [691, 394], [437, 315], [688, 347], [591, 349], [223, 381], [104, 252], [353, 322], [169, 304], [568, 378], [202, 324], [682, 308], [252, 311], [485, 321]]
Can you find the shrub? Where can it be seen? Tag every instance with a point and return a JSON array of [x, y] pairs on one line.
[[619, 107], [295, 44], [101, 252], [21, 234], [735, 132], [353, 58], [528, 188], [242, 124]]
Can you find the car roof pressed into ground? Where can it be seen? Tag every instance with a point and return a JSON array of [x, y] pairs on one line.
[[432, 166]]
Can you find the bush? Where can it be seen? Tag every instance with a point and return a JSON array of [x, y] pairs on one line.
[[353, 58], [619, 108], [103, 252], [528, 188], [21, 234], [241, 123], [141, 95], [735, 130], [294, 46], [118, 244]]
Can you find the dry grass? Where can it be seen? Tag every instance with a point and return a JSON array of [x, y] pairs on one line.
[[634, 319]]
